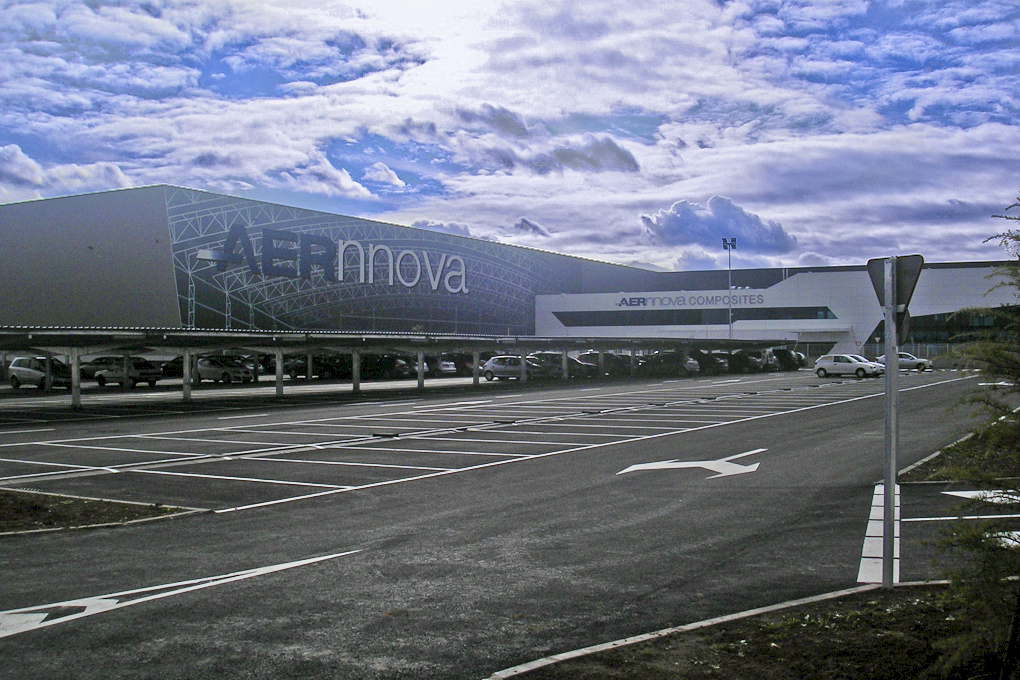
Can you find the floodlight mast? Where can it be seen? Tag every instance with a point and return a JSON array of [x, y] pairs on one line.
[[729, 245]]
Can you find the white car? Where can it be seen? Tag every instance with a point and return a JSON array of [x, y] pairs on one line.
[[504, 367], [139, 370], [847, 364], [223, 369], [32, 371], [909, 361]]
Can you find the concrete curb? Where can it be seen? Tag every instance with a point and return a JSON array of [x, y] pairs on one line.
[[563, 656]]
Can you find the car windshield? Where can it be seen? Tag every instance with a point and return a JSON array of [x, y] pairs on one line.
[[858, 357]]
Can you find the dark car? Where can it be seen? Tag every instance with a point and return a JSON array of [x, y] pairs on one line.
[[579, 369], [387, 367], [552, 362], [615, 365], [745, 362], [174, 368], [710, 362], [668, 365], [324, 366], [787, 359]]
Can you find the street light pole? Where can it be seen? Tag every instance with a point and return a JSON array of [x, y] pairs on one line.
[[728, 246]]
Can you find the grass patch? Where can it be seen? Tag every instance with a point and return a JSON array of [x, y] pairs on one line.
[[30, 511], [875, 635]]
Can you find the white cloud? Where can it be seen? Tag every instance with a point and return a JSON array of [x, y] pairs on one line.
[[689, 223], [444, 227], [379, 172], [21, 177], [861, 132]]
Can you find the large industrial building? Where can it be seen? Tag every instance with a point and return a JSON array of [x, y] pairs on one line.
[[166, 257]]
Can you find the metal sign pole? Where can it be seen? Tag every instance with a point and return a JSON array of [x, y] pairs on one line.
[[892, 369]]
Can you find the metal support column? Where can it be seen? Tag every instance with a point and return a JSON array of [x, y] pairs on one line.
[[187, 375], [278, 355], [356, 371], [421, 369], [566, 365], [75, 378], [475, 359]]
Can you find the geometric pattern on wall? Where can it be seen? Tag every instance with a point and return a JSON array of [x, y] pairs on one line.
[[502, 280]]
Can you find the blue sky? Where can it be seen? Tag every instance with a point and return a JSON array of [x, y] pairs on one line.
[[817, 132]]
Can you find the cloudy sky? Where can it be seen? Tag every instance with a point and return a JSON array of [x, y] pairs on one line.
[[813, 131]]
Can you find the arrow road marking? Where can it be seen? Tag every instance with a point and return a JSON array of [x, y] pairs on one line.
[[992, 496], [16, 621], [722, 467]]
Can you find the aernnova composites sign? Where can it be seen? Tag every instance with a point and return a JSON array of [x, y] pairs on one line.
[[707, 299]]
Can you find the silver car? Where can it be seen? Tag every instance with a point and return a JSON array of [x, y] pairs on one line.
[[32, 371], [909, 361], [847, 364], [139, 370], [222, 369], [505, 366]]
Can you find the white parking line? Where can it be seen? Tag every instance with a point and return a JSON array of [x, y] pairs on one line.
[[439, 452], [251, 415], [279, 482], [345, 463], [42, 429]]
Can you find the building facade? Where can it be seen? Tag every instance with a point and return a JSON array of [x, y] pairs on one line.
[[171, 257]]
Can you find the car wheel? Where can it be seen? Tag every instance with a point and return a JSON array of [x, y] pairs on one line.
[[225, 378], [152, 383], [101, 379], [131, 383], [42, 383], [245, 380], [489, 376], [860, 373], [821, 373], [920, 368]]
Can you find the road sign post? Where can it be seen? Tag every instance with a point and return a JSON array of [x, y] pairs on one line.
[[892, 433], [894, 279]]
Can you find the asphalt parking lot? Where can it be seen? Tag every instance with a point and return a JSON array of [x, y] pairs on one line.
[[453, 533], [244, 460]]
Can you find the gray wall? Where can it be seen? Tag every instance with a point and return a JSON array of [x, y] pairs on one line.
[[89, 260]]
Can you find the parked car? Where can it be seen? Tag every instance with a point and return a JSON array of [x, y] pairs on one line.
[[174, 368], [32, 371], [669, 365], [464, 362], [579, 369], [746, 361], [222, 369], [139, 370], [90, 368], [711, 363], [615, 364], [387, 367], [909, 361], [847, 364], [441, 366], [551, 362], [506, 366], [787, 359], [325, 366]]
